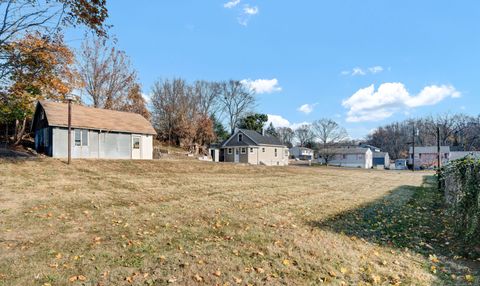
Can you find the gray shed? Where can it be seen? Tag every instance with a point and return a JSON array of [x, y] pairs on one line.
[[96, 133]]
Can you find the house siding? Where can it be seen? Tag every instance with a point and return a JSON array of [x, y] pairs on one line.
[[101, 145], [353, 160], [258, 156]]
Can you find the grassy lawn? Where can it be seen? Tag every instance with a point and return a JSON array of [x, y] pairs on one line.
[[183, 222]]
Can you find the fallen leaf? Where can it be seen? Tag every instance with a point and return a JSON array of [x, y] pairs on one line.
[[198, 278], [469, 278]]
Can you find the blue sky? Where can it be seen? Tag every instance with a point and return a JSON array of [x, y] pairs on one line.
[[362, 63]]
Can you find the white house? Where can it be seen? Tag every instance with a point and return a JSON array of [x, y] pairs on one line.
[[301, 153], [355, 157]]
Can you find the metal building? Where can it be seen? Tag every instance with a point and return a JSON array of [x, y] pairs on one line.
[[96, 133]]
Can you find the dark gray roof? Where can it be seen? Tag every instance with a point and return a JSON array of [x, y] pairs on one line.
[[262, 139]]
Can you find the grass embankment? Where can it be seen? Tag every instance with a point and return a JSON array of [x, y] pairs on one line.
[[185, 222]]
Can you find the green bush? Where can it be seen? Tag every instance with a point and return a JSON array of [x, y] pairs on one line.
[[461, 184]]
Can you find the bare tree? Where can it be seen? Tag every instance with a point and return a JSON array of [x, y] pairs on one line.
[[106, 73], [286, 135], [134, 102], [304, 135], [21, 17], [208, 96], [237, 100], [329, 133]]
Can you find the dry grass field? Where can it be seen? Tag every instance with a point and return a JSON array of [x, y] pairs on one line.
[[183, 222]]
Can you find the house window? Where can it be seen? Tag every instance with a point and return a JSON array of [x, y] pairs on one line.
[[78, 137], [81, 137], [275, 152], [136, 143], [251, 150], [263, 150], [344, 156], [240, 137], [244, 150], [229, 150]]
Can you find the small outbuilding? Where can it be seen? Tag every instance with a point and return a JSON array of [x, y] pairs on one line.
[[301, 153], [96, 133], [381, 159], [355, 157]]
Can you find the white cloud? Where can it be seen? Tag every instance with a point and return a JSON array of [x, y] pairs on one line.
[[361, 71], [261, 86], [147, 97], [279, 121], [358, 71], [247, 13], [369, 105], [307, 108], [231, 4], [375, 69], [250, 10]]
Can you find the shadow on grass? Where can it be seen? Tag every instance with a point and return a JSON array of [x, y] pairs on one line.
[[408, 217]]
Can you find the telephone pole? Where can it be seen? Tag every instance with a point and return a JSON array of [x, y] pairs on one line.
[[439, 162], [413, 148], [69, 99]]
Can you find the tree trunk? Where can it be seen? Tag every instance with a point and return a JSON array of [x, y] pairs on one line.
[[19, 133]]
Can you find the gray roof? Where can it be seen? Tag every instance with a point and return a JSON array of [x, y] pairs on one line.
[[302, 148], [429, 149], [262, 139], [350, 150]]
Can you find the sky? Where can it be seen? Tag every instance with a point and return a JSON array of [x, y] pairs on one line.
[[361, 63]]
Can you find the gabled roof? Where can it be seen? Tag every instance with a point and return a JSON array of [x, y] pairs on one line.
[[95, 118], [256, 138], [262, 139]]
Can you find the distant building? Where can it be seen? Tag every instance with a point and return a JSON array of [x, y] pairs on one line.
[[251, 147], [455, 155], [426, 157], [371, 147], [301, 153], [381, 159], [355, 157], [401, 164], [96, 133]]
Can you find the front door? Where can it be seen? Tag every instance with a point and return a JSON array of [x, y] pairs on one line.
[[237, 155], [136, 147]]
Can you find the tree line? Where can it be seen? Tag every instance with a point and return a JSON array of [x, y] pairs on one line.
[[459, 131]]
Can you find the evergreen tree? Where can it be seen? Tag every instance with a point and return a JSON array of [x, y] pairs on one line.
[[220, 132], [254, 122], [271, 130]]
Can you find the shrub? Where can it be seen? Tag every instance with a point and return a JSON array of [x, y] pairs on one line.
[[461, 184]]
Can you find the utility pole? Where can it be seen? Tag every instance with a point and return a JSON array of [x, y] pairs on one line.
[[69, 100], [439, 163], [413, 148]]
